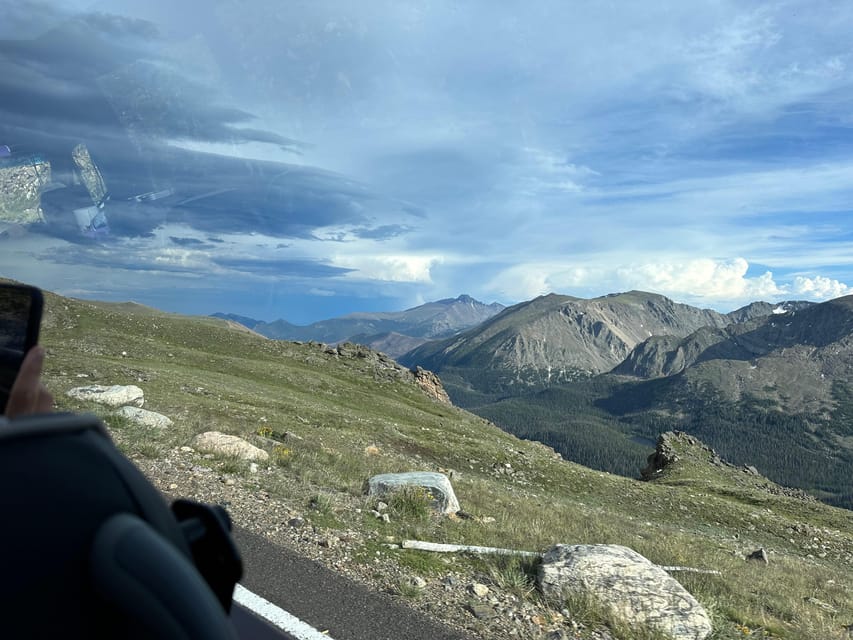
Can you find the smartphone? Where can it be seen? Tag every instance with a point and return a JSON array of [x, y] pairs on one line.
[[20, 318]]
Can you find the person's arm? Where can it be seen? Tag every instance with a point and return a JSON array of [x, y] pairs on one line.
[[29, 396]]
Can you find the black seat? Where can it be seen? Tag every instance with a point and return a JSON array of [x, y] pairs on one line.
[[89, 548]]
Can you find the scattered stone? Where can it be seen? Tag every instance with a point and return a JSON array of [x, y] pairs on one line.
[[635, 589], [113, 396], [760, 555], [481, 611], [229, 482], [437, 484], [821, 605], [372, 450], [328, 542], [253, 467], [417, 582], [385, 517], [751, 470], [296, 522], [224, 444], [186, 449], [173, 486], [381, 506], [480, 590], [487, 520], [145, 418]]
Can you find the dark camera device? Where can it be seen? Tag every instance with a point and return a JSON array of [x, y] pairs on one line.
[[20, 318]]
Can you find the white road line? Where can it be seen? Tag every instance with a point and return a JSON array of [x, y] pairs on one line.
[[278, 616]]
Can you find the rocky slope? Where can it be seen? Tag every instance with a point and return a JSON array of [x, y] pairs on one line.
[[792, 359]]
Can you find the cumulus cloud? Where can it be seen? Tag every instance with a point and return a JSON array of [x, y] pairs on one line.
[[819, 288], [390, 268], [525, 281], [702, 278]]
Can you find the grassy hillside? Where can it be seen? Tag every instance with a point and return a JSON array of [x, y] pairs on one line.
[[330, 422]]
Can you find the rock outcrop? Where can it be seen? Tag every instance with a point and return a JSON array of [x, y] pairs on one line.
[[436, 484], [636, 591], [113, 396], [388, 369], [431, 384]]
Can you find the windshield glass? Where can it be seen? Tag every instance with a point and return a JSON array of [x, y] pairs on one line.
[[580, 224]]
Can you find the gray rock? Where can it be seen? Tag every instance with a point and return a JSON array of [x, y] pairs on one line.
[[480, 590], [113, 396], [223, 444], [760, 555], [637, 591], [144, 417], [482, 611], [437, 484]]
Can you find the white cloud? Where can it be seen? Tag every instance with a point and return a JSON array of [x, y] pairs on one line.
[[526, 281], [702, 278], [390, 268], [820, 288], [325, 293]]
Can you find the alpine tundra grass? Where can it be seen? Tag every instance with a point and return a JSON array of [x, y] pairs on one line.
[[330, 422]]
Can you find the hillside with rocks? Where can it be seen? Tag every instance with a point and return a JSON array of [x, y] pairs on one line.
[[319, 422]]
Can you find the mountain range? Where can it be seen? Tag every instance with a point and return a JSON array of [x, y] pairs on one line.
[[393, 333], [598, 379], [555, 339]]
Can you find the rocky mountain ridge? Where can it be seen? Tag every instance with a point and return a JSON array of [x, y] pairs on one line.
[[393, 332], [556, 339]]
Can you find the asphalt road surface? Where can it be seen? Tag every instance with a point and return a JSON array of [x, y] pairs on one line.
[[332, 604]]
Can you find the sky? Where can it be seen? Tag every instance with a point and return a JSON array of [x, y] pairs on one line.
[[328, 156]]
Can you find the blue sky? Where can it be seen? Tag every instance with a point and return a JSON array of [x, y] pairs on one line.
[[701, 150]]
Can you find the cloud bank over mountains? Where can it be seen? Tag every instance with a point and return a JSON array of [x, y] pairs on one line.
[[337, 156]]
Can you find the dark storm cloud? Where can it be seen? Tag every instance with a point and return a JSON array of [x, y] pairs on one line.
[[120, 25], [188, 242], [116, 257], [294, 268], [383, 232], [100, 76]]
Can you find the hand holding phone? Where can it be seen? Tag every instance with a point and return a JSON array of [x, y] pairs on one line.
[[20, 319]]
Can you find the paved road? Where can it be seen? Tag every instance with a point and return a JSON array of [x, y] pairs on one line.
[[331, 603]]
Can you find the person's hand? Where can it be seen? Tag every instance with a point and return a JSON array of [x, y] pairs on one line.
[[29, 395]]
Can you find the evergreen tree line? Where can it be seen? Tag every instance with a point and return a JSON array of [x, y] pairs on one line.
[[607, 424]]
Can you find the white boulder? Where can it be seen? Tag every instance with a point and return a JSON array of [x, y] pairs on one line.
[[637, 591], [224, 444], [113, 396], [145, 418], [436, 484]]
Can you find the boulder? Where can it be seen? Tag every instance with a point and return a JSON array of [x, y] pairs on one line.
[[114, 396], [145, 418], [437, 484], [637, 591], [224, 444]]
